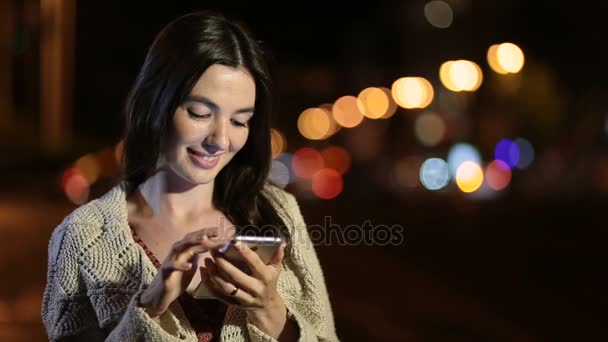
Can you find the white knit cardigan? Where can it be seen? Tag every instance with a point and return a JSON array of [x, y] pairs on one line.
[[96, 272]]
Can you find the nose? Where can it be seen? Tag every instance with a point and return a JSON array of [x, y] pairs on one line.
[[217, 140]]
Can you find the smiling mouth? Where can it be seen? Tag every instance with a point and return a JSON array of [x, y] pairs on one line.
[[203, 160]]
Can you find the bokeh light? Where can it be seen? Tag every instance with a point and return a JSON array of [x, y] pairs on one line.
[[314, 123], [337, 158], [444, 76], [285, 158], [327, 183], [507, 151], [392, 105], [526, 153], [89, 167], [465, 75], [119, 151], [434, 174], [346, 112], [412, 92], [492, 57], [373, 102], [334, 127], [278, 142], [279, 173], [108, 166], [306, 161], [75, 186], [461, 153], [460, 75], [439, 14], [505, 58], [406, 171], [429, 128], [510, 57], [498, 175], [469, 176]]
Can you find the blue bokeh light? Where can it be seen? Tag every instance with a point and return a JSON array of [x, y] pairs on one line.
[[434, 173], [507, 151], [460, 153], [526, 153]]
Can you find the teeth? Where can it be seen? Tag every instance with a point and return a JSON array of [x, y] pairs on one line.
[[209, 158]]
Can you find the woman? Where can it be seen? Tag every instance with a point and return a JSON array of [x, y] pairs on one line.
[[197, 153]]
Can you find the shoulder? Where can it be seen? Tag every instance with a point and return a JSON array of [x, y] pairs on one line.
[[281, 199], [85, 223]]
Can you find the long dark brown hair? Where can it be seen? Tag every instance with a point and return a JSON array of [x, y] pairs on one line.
[[178, 57]]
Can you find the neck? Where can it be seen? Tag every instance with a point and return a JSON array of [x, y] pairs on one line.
[[173, 199]]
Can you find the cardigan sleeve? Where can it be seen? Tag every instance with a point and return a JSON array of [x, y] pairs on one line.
[[312, 311], [67, 312]]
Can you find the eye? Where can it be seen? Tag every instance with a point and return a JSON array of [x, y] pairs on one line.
[[238, 123], [194, 115]]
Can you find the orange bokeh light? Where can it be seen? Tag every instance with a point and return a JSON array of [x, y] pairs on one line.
[[346, 112]]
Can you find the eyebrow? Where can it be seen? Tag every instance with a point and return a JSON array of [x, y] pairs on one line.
[[207, 102]]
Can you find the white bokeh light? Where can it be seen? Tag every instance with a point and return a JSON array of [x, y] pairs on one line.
[[434, 174]]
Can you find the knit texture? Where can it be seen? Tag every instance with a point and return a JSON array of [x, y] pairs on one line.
[[96, 273]]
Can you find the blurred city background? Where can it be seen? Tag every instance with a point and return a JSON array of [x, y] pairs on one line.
[[469, 135]]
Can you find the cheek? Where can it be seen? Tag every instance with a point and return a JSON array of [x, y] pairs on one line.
[[188, 132], [239, 139]]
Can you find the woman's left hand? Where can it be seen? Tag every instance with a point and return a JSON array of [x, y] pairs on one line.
[[256, 293]]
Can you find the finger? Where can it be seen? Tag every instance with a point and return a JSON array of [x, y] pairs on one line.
[[213, 289], [226, 288], [207, 237], [189, 274], [184, 250], [252, 259], [235, 275], [277, 257]]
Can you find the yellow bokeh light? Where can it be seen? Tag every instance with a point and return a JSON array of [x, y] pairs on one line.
[[465, 75], [510, 57], [277, 142], [392, 105], [412, 92], [346, 112], [479, 78], [469, 176], [314, 123], [444, 76], [373, 103], [461, 75], [492, 57], [334, 127]]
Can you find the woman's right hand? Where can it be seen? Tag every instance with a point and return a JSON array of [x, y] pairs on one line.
[[177, 270]]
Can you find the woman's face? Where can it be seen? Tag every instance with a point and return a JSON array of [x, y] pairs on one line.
[[212, 125]]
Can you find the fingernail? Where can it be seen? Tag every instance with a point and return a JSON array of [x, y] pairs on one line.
[[238, 245]]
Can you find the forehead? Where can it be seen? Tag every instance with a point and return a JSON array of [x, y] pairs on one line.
[[226, 86]]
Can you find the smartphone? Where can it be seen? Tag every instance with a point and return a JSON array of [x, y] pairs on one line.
[[264, 246]]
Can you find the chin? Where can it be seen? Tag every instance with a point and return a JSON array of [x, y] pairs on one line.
[[200, 178]]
